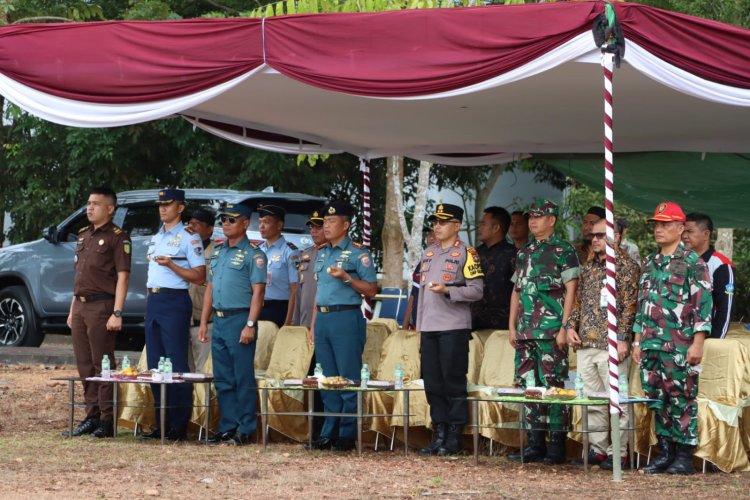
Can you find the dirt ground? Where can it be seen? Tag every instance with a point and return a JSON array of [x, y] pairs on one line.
[[37, 462]]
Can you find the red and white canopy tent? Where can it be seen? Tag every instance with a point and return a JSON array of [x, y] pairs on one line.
[[458, 86]]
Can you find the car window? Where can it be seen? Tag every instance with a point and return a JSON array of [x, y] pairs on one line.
[[297, 212], [72, 227], [140, 220]]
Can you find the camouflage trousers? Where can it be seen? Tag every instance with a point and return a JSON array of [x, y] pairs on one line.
[[665, 377], [549, 367]]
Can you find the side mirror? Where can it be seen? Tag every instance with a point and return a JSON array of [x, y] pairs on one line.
[[50, 234]]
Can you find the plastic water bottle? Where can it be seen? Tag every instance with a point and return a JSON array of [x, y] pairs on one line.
[[160, 366], [529, 379], [125, 362], [364, 376], [318, 371], [167, 370], [579, 385], [624, 389], [398, 377], [106, 370]]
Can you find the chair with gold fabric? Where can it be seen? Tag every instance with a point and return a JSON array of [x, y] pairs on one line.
[[198, 415], [390, 323], [723, 395], [401, 347], [377, 332], [290, 359], [267, 331], [498, 370], [136, 403]]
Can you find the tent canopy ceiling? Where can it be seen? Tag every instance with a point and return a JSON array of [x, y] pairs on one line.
[[459, 86]]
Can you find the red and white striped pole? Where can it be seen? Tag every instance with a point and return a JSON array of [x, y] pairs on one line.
[[364, 167], [609, 178]]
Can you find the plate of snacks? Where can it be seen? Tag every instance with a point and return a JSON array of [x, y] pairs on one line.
[[126, 374], [533, 393], [558, 393], [510, 391], [336, 382]]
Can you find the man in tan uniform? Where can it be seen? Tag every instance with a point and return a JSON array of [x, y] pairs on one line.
[[201, 223], [102, 271], [307, 286], [450, 278]]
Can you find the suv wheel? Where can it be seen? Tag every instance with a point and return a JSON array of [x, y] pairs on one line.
[[18, 323]]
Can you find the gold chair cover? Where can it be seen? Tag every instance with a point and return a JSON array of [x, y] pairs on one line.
[[390, 323], [290, 359], [376, 335], [401, 347], [498, 370], [136, 402], [267, 331]]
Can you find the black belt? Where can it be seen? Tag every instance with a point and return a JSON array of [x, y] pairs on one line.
[[95, 298], [197, 322], [167, 290], [333, 309], [230, 312]]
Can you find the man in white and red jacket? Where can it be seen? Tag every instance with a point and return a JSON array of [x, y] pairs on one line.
[[698, 230]]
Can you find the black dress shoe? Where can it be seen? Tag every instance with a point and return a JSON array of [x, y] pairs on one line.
[[322, 443], [105, 430], [343, 444], [87, 426], [222, 437], [176, 435], [241, 439], [155, 434]]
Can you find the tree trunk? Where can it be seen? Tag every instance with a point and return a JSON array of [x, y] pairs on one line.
[[393, 239], [724, 241]]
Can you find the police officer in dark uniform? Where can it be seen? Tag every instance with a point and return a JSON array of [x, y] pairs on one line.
[[102, 265], [344, 271], [451, 278], [234, 294], [283, 258], [176, 259]]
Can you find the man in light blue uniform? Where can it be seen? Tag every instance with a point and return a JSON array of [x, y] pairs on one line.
[[236, 284], [344, 271], [283, 259], [175, 258]]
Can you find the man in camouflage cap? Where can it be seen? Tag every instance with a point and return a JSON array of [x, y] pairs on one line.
[[545, 279], [672, 320]]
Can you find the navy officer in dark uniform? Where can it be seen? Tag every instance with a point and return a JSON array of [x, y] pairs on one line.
[[344, 271], [234, 294], [175, 259]]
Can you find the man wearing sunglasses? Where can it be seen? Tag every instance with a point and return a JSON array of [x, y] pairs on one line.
[[451, 278], [545, 280], [588, 333], [234, 294]]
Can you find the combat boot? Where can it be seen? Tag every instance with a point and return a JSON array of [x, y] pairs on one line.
[[664, 460], [683, 461], [452, 444], [535, 451], [556, 451], [438, 439]]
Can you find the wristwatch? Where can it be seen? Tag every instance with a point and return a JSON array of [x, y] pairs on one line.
[[250, 323], [636, 344], [348, 282], [117, 313]]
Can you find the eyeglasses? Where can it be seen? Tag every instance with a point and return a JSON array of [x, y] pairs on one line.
[[441, 222], [226, 218], [600, 236]]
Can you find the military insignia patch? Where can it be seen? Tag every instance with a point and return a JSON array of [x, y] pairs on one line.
[[331, 210], [198, 251], [126, 247], [455, 254], [473, 267], [429, 254], [365, 260], [661, 207], [447, 277], [259, 262]]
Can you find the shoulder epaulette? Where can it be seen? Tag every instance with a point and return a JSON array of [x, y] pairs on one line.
[[84, 228], [291, 245], [116, 229], [253, 246], [189, 230], [357, 244]]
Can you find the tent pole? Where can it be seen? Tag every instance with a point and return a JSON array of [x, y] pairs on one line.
[[364, 167], [614, 399]]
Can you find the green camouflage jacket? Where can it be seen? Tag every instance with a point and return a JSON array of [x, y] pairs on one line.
[[542, 269], [674, 301]]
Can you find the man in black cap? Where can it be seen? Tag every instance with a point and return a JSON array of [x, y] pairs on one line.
[[283, 259], [201, 223], [450, 278], [344, 271], [304, 303], [593, 215], [175, 257]]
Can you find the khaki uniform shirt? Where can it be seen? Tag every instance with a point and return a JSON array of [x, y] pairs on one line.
[[100, 254], [457, 266], [306, 287], [197, 291]]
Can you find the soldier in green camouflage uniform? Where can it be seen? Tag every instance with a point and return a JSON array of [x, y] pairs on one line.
[[672, 321], [545, 282]]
